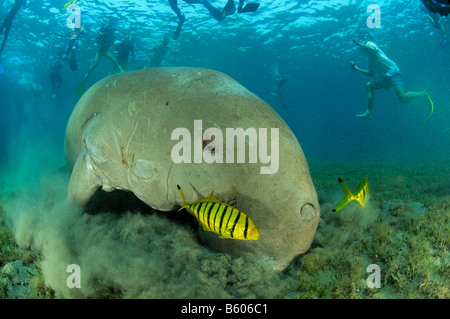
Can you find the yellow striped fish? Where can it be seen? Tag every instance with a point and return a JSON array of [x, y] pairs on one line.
[[222, 218]]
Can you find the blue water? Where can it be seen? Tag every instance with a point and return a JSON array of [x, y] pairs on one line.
[[310, 40]]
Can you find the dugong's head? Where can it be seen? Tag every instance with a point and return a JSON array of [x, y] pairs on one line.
[[148, 131]]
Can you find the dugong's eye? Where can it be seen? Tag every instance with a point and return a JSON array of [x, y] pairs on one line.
[[307, 212], [89, 120]]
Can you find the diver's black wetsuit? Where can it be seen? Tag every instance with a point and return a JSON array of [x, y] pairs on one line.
[[7, 22], [158, 53], [123, 50], [438, 6], [216, 13]]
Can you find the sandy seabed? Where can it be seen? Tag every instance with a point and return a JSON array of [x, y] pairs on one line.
[[134, 252]]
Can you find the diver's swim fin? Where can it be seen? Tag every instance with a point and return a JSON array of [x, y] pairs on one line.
[[230, 8], [249, 7], [82, 87], [65, 6], [430, 103], [73, 64]]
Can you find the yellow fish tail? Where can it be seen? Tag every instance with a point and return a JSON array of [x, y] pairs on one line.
[[184, 199], [363, 191], [362, 194], [348, 196]]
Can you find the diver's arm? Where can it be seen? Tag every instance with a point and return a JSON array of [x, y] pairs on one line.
[[368, 72], [362, 44], [365, 72]]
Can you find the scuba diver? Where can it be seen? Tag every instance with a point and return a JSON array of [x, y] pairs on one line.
[[217, 14], [435, 20], [280, 80], [69, 54], [438, 6], [7, 23], [389, 76], [55, 77], [105, 40], [123, 50]]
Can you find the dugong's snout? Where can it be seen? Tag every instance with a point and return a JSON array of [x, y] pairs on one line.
[[308, 211], [295, 232]]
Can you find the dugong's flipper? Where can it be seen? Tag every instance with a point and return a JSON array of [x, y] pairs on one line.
[[83, 182]]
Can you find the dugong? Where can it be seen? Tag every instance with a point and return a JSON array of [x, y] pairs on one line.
[[146, 131]]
